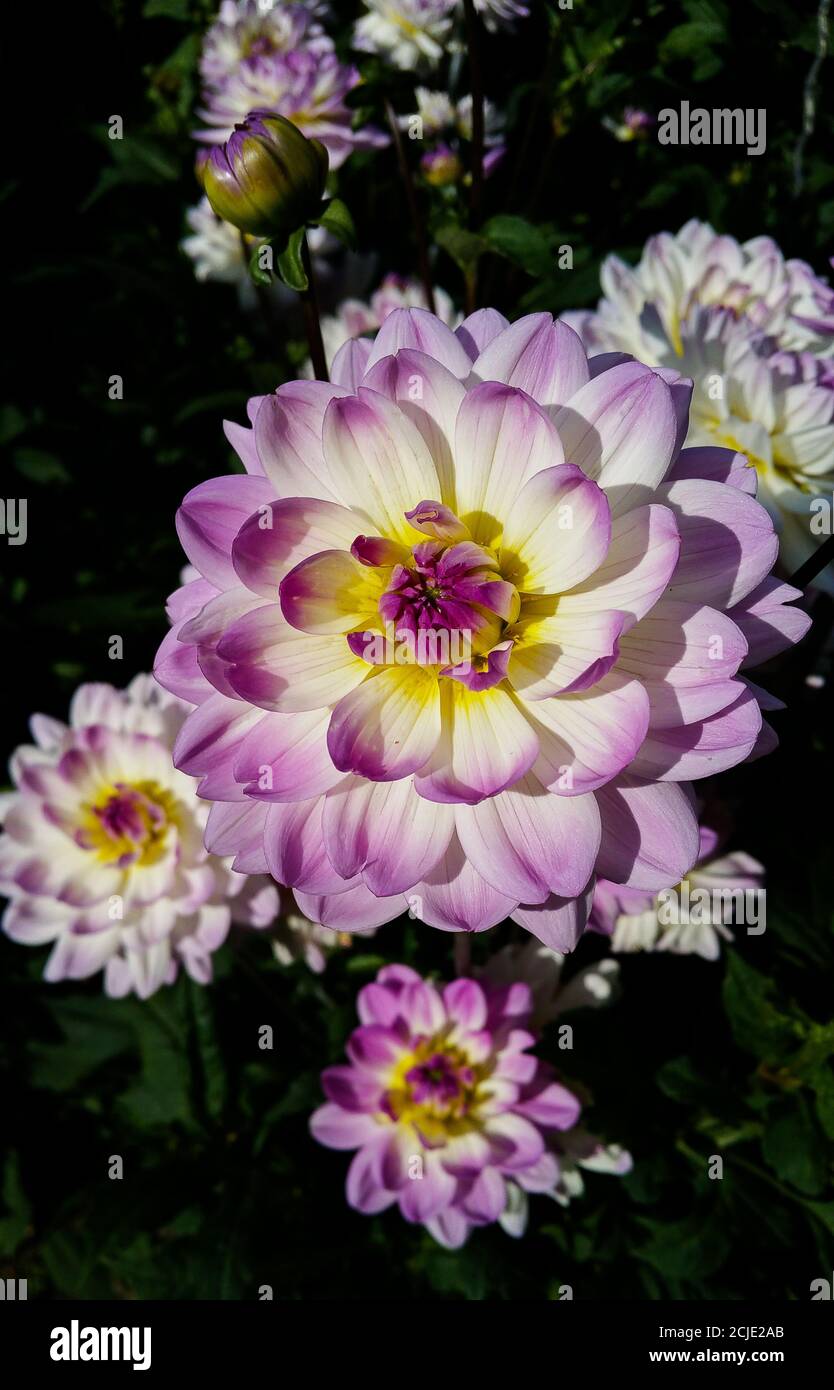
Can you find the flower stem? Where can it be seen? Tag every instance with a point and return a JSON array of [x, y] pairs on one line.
[[413, 209], [312, 322], [463, 954], [813, 565], [476, 79]]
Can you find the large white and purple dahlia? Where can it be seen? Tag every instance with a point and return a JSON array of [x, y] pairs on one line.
[[454, 1119], [755, 332], [102, 852], [468, 627]]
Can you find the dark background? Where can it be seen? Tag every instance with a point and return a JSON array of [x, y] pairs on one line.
[[224, 1190]]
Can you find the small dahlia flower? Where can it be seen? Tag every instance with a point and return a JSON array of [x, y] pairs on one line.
[[102, 852], [454, 1119], [307, 87], [721, 890], [469, 626], [356, 317], [248, 29], [541, 970], [410, 33], [294, 938], [267, 179]]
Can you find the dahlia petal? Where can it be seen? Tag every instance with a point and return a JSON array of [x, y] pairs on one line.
[[685, 655], [329, 593], [295, 849], [237, 828], [554, 1107], [530, 843], [768, 624], [621, 429], [242, 441], [715, 465], [384, 831], [273, 541], [449, 1228], [454, 897], [543, 358], [211, 516], [387, 727], [285, 758], [556, 533], [279, 668], [417, 328], [479, 329], [728, 543], [422, 1007], [378, 460], [209, 741], [700, 750], [364, 1189], [77, 956], [640, 562], [567, 651], [430, 396], [588, 738], [423, 1198], [465, 1004], [355, 1091], [374, 1048], [356, 910], [502, 439], [486, 1198], [177, 669], [350, 364], [288, 434], [557, 922], [485, 744], [516, 1143], [649, 834], [336, 1128]]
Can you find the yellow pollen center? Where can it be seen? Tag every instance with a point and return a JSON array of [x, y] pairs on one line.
[[128, 824]]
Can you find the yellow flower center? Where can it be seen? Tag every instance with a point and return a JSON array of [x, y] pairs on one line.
[[128, 824], [434, 1089]]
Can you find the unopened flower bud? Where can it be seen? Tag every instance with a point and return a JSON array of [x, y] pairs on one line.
[[267, 179]]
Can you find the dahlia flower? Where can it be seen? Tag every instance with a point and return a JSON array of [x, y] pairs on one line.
[[102, 851], [356, 317], [410, 33], [468, 628], [248, 29], [540, 969], [703, 305], [453, 1118], [307, 87], [645, 308], [693, 918]]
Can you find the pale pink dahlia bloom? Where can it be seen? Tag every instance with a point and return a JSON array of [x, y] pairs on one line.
[[306, 86], [453, 1118], [102, 852], [248, 29], [354, 318], [721, 890], [755, 332], [468, 627]]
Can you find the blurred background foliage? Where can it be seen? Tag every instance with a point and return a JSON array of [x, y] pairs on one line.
[[223, 1189]]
